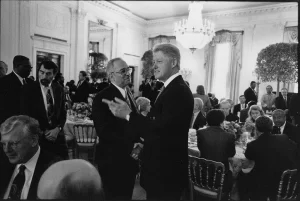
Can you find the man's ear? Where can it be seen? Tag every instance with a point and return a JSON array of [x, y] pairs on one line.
[[174, 62]]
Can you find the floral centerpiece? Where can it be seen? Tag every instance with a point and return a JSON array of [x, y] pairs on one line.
[[233, 127], [81, 110]]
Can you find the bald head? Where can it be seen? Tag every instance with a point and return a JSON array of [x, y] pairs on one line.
[[71, 179]]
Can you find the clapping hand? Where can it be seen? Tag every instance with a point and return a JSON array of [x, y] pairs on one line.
[[51, 135], [136, 150], [118, 107]]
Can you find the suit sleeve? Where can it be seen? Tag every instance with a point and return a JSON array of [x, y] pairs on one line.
[[249, 153], [25, 101], [235, 109]]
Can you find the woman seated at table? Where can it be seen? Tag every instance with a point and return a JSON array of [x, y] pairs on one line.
[[216, 144], [254, 112], [143, 105]]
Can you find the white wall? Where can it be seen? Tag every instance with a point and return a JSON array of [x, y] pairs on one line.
[[262, 26]]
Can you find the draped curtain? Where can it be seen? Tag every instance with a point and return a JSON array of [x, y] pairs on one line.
[[290, 35], [233, 77], [161, 39]]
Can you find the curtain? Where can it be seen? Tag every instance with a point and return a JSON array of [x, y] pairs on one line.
[[233, 76], [290, 35], [161, 39]]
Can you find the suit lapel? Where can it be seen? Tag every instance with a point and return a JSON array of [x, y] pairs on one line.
[[5, 177], [41, 99], [133, 103], [57, 96]]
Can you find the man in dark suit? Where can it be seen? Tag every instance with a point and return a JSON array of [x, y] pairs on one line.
[[44, 100], [198, 119], [164, 129], [83, 89], [281, 126], [213, 100], [238, 107], [24, 161], [11, 86], [283, 101], [270, 161], [294, 109], [226, 107], [116, 166], [250, 94]]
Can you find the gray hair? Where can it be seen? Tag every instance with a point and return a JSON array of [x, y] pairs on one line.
[[199, 100], [30, 125], [169, 50], [223, 102], [142, 101], [279, 112], [110, 65]]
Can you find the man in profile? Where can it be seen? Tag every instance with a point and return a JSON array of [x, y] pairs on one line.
[[23, 161], [250, 93], [165, 129], [71, 180], [11, 86]]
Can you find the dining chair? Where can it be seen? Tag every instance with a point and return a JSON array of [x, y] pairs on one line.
[[206, 178], [86, 139], [289, 187]]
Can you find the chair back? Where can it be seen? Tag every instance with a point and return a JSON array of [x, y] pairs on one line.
[[206, 177], [289, 187]]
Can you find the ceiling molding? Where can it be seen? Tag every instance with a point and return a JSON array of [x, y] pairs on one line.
[[235, 13], [119, 10]]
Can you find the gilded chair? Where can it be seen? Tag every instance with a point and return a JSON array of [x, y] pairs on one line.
[[206, 178], [86, 140], [289, 187]]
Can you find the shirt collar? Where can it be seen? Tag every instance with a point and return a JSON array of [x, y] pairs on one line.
[[123, 91], [170, 79], [282, 127], [19, 77], [31, 163]]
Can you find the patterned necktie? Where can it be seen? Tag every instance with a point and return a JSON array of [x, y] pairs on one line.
[[161, 90], [50, 105], [127, 99], [17, 185]]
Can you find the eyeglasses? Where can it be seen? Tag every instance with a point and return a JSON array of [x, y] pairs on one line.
[[12, 144], [124, 71]]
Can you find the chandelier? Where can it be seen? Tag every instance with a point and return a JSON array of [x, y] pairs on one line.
[[194, 33]]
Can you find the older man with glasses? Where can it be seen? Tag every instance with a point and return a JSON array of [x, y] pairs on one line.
[[116, 166], [23, 161], [11, 86]]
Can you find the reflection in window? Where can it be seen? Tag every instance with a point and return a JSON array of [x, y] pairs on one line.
[[221, 69]]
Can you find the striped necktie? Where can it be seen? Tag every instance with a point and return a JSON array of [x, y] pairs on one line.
[[161, 90]]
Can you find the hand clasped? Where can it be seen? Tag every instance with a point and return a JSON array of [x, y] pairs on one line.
[[118, 107]]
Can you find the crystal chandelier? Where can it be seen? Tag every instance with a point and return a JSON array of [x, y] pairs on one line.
[[194, 33]]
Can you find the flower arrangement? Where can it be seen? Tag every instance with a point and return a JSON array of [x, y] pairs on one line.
[[278, 62], [233, 128], [81, 110]]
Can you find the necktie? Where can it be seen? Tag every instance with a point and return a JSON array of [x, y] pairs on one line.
[[127, 99], [24, 81], [161, 90], [277, 130], [17, 185], [50, 106]]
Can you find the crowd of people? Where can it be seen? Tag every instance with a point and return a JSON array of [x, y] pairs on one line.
[[146, 135]]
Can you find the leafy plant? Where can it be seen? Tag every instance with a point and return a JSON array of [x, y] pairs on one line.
[[148, 69], [278, 62]]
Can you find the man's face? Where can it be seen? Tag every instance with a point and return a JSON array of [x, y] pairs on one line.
[[225, 108], [17, 146], [253, 85], [284, 92], [196, 106], [269, 89], [46, 76], [242, 99], [81, 77], [278, 119], [121, 74], [148, 107], [163, 66], [24, 69], [255, 114]]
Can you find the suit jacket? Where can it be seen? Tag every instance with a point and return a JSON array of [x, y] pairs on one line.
[[44, 161], [291, 131], [237, 108], [294, 108], [10, 91], [272, 155], [244, 115], [165, 132], [102, 86], [115, 139], [250, 95], [32, 104], [232, 117], [82, 92], [216, 144], [280, 103], [200, 121]]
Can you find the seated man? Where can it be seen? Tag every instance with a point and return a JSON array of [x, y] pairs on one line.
[[71, 179], [272, 155], [216, 144], [281, 126], [238, 107], [23, 161], [225, 105], [198, 119]]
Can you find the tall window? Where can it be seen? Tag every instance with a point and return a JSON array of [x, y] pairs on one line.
[[221, 69]]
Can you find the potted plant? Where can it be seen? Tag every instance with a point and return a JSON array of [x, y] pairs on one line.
[[278, 62]]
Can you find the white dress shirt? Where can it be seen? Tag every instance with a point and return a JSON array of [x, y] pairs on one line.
[[30, 167], [44, 92], [282, 128], [123, 91]]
